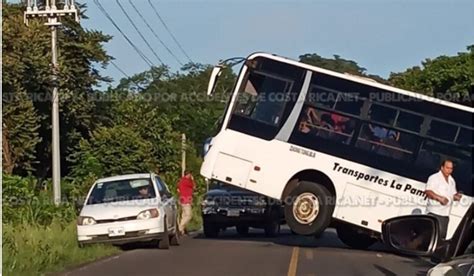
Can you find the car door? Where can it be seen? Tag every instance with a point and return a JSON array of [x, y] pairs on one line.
[[167, 200]]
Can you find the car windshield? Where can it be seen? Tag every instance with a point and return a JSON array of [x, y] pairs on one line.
[[121, 190]]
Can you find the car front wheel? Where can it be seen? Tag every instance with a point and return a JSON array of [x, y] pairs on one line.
[[164, 243]]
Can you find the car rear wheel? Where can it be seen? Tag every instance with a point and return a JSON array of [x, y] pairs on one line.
[[309, 210], [243, 230], [211, 230]]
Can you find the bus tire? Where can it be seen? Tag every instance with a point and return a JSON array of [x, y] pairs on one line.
[[350, 237], [308, 210]]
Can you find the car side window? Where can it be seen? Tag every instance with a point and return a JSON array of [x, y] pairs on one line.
[[162, 188]]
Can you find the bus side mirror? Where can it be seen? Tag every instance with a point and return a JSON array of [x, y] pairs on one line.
[[416, 235], [216, 72]]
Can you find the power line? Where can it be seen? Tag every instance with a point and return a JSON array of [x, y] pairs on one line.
[[120, 69], [138, 31], [125, 74], [151, 29], [140, 53], [169, 31]]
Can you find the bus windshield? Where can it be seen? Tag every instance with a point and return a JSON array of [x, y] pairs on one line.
[[266, 96]]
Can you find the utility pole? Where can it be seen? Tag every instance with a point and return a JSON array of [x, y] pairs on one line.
[[183, 153], [52, 13]]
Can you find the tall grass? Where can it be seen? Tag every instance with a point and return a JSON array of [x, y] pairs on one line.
[[196, 221], [36, 250]]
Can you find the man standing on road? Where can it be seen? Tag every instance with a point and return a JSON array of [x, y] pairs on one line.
[[185, 190], [441, 191]]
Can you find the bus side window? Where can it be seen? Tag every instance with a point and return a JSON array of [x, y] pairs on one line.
[[349, 104], [387, 142], [326, 125], [442, 130], [464, 137], [409, 121], [382, 114]]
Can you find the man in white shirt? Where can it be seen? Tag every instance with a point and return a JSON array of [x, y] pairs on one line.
[[441, 191]]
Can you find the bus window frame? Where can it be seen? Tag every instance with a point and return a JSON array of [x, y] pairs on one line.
[[242, 90]]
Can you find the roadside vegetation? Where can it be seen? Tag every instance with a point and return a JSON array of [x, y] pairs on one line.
[[131, 127]]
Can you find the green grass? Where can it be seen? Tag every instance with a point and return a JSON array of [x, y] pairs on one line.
[[36, 250], [196, 221]]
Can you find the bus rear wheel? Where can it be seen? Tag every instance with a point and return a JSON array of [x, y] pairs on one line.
[[309, 208], [352, 238]]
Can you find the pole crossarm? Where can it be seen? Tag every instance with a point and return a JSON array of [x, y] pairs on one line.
[[50, 10]]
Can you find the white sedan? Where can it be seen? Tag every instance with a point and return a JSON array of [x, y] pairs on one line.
[[129, 208]]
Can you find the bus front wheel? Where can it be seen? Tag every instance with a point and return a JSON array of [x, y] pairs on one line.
[[309, 208]]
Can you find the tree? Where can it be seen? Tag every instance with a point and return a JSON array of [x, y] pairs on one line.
[[112, 151], [19, 131], [340, 65], [447, 77], [181, 97], [150, 123], [26, 67]]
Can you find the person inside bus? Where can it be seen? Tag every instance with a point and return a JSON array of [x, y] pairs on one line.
[[441, 191], [381, 133], [342, 128], [310, 120], [339, 122]]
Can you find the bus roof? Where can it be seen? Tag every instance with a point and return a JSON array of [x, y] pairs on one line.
[[363, 80]]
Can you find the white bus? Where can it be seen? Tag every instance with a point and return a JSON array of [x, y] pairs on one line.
[[337, 148]]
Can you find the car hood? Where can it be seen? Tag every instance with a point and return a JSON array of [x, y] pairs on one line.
[[117, 210]]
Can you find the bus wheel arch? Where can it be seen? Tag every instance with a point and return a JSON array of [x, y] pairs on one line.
[[311, 176], [309, 199]]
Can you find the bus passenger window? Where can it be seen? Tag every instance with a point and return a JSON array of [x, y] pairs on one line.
[[382, 114], [386, 142], [409, 121], [349, 104], [464, 137], [442, 130], [326, 125]]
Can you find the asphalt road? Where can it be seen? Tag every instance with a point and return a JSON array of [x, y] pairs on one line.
[[255, 254]]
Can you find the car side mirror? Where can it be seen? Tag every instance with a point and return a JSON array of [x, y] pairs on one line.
[[78, 205], [416, 235]]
